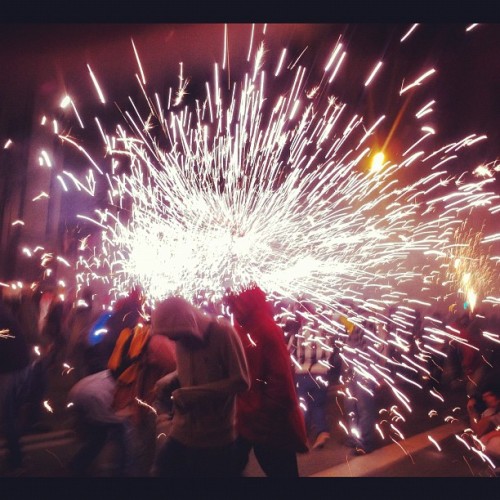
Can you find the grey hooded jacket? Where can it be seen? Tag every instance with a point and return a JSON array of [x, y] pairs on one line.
[[211, 370]]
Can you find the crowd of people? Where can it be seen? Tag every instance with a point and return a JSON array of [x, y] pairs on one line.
[[244, 375]]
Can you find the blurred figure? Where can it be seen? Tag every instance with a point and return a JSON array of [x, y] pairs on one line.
[[307, 346], [15, 370], [78, 323], [53, 328], [269, 419], [93, 396], [116, 405], [474, 366], [360, 387], [138, 361], [436, 356], [22, 304], [211, 371], [97, 422], [126, 314], [486, 423]]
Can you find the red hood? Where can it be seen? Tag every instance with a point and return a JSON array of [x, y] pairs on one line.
[[252, 302]]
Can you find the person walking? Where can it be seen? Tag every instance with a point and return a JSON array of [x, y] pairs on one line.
[[269, 419], [361, 387], [211, 371], [308, 345], [15, 377], [97, 423]]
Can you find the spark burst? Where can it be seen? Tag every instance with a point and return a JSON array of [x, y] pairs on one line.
[[249, 185], [268, 179], [471, 271]]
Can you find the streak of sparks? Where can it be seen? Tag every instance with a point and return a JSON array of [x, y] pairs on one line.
[[47, 406], [96, 84], [373, 73], [146, 405], [434, 442], [266, 180], [5, 334], [143, 78], [418, 81], [405, 451], [409, 32]]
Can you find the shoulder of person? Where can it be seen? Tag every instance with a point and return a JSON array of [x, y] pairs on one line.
[[221, 327]]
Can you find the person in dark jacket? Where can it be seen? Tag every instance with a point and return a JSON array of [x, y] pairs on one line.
[[269, 418], [79, 322], [15, 369]]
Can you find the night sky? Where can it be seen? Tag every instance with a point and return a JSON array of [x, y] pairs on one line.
[[54, 57], [46, 47]]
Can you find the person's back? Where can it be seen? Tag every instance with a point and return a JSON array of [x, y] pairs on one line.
[[264, 411], [268, 415]]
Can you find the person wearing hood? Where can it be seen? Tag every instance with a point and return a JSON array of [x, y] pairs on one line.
[[269, 418], [211, 371]]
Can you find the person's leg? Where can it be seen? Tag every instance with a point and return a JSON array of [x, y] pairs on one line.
[[242, 452], [474, 380], [171, 460], [93, 438], [302, 383], [144, 445], [276, 462], [122, 434], [13, 394], [12, 431], [317, 408], [217, 462], [352, 413], [37, 390], [314, 396], [366, 417]]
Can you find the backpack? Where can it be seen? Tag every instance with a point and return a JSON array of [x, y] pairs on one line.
[[127, 353], [125, 363]]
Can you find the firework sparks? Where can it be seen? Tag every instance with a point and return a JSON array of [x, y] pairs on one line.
[[46, 405], [434, 442], [229, 204], [271, 179]]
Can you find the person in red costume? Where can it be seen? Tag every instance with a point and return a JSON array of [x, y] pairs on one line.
[[268, 416]]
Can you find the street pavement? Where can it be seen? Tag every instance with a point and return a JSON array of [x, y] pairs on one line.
[[423, 442]]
